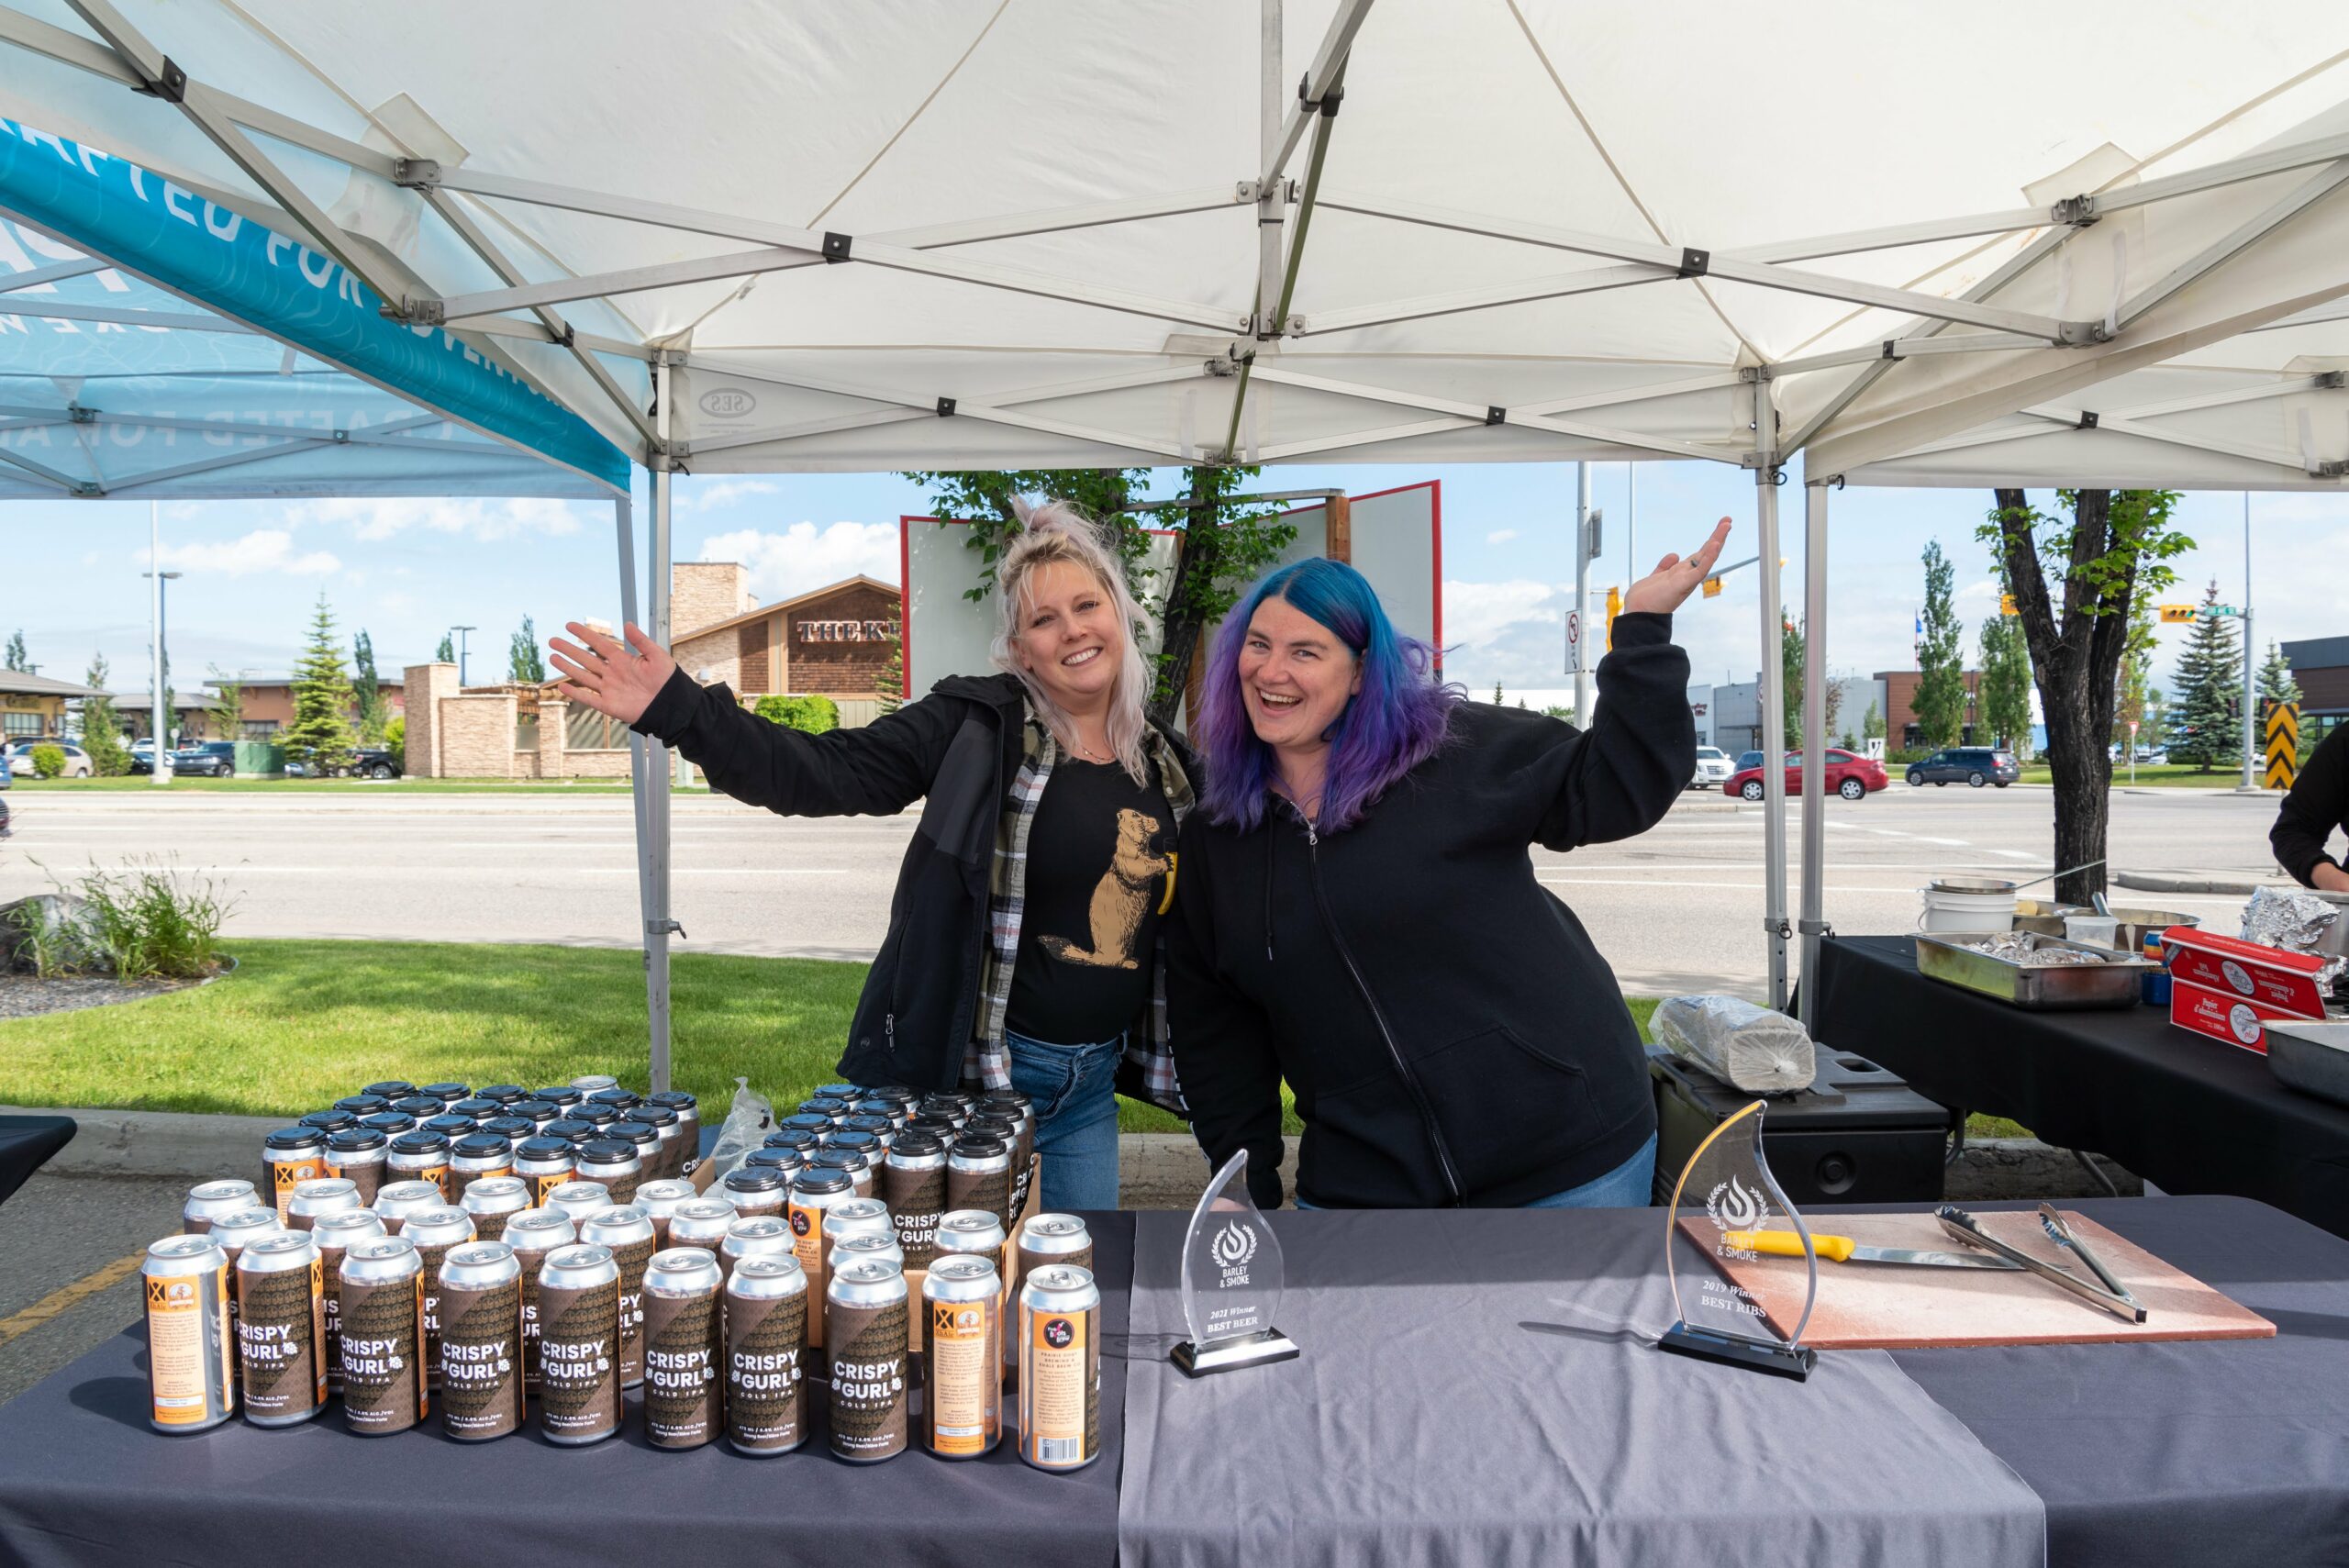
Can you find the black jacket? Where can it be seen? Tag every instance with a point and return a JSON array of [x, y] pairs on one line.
[[2318, 802], [1450, 1035], [956, 751]]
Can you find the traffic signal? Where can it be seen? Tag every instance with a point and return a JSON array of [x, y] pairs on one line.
[[1614, 608], [2171, 613], [1712, 587], [2006, 604]]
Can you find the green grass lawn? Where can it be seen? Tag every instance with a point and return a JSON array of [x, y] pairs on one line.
[[250, 785], [2168, 775]]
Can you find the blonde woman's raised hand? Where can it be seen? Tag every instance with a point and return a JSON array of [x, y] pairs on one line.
[[606, 676], [1675, 577]]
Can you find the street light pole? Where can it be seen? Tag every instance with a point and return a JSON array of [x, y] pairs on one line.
[[158, 766], [2250, 676], [460, 630], [1582, 594]]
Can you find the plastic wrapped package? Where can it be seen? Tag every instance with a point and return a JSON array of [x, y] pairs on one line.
[[747, 1121], [1750, 1047]]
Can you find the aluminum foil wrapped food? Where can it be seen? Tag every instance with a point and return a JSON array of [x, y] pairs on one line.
[[1753, 1048], [2016, 947], [2297, 922]]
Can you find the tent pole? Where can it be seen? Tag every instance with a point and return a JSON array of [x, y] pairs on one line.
[[1774, 695], [641, 778], [1581, 607], [658, 923], [1812, 924]]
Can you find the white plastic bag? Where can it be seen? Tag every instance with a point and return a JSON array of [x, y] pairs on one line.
[[1751, 1048], [747, 1121]]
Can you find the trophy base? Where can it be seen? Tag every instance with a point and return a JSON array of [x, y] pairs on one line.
[[1779, 1361], [1224, 1355]]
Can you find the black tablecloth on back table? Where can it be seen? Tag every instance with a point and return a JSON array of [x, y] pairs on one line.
[[2187, 1113], [28, 1142]]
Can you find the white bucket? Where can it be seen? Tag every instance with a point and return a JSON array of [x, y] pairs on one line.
[[1948, 911]]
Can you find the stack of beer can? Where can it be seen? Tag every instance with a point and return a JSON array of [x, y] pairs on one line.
[[496, 1250]]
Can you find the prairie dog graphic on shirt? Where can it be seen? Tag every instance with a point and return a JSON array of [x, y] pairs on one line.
[[1119, 900]]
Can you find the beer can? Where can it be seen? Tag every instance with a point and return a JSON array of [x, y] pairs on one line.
[[612, 1162], [332, 1235], [357, 1154], [281, 1330], [1050, 1239], [502, 1094], [494, 1200], [390, 1123], [420, 1106], [561, 1095], [688, 1113], [291, 1156], [785, 1162], [480, 1341], [572, 1129], [449, 1125], [513, 1129], [362, 1105], [756, 1190], [190, 1384], [384, 1377], [685, 1347], [534, 1234], [813, 1191], [858, 1169], [1021, 1112], [702, 1222], [592, 1083], [893, 1112], [835, 1092], [976, 1230], [884, 1245], [323, 1194], [830, 1107], [962, 1346], [478, 1108], [626, 1231], [623, 1101], [207, 1201], [390, 1089], [234, 1232], [667, 1159], [659, 1200], [595, 1115], [760, 1236], [647, 1139], [952, 1104], [448, 1094], [578, 1199], [475, 1155], [978, 1174], [913, 1184], [535, 1111], [419, 1156], [434, 1231], [804, 1121], [545, 1162], [395, 1201], [1060, 1368], [937, 1124], [864, 1124], [579, 1348], [865, 1321], [856, 1217], [794, 1140], [331, 1121], [766, 1352]]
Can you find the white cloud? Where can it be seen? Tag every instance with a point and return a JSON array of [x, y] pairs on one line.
[[803, 556], [1500, 536], [724, 493], [478, 519], [263, 550], [1987, 588]]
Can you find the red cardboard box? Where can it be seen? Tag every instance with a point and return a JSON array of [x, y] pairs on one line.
[[2283, 982], [2222, 1015]]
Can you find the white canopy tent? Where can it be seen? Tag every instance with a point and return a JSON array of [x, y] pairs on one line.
[[999, 233]]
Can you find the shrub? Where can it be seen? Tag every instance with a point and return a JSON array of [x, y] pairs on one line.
[[136, 924], [395, 735], [813, 714], [48, 760]]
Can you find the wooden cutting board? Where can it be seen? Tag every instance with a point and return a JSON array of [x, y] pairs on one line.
[[1879, 1307]]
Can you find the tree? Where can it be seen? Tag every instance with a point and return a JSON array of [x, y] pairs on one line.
[[2138, 700], [2006, 681], [101, 727], [525, 664], [18, 659], [1498, 698], [2276, 683], [1790, 663], [373, 712], [1872, 723], [1940, 701], [321, 735], [2074, 579], [446, 653], [226, 712], [889, 685], [2210, 690]]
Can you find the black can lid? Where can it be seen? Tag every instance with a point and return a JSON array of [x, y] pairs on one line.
[[535, 1110], [754, 1179], [510, 1127], [676, 1099], [617, 1098], [897, 1092], [355, 1140], [653, 1115], [452, 1090], [863, 1143], [423, 1140], [295, 1138], [916, 1142], [331, 1121], [593, 1115], [634, 1132], [480, 1107], [822, 1179], [391, 1124], [1011, 1099], [559, 1095], [362, 1104], [803, 1121], [840, 1160], [542, 1147], [419, 1106], [835, 1091], [823, 1105], [573, 1128], [793, 1138], [978, 1146], [873, 1124], [449, 1124], [391, 1088], [779, 1158], [1003, 1126], [954, 1098], [478, 1145], [932, 1121], [504, 1094], [605, 1151]]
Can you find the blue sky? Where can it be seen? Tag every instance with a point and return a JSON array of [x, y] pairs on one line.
[[405, 570]]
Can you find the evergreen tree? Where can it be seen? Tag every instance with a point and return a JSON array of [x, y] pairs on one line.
[[1790, 662], [367, 689], [2276, 683], [1940, 701], [446, 653], [101, 727], [889, 685], [2210, 691], [1497, 693], [321, 735], [2006, 681], [524, 664], [18, 659]]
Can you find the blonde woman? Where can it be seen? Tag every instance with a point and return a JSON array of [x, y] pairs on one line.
[[1023, 946]]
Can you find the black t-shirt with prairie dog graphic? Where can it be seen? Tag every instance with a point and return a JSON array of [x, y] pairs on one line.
[[1099, 856]]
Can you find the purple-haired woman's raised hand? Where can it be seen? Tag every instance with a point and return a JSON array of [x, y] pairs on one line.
[[1675, 577]]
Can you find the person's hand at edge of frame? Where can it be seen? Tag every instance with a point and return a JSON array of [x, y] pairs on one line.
[[607, 676], [2331, 878], [1675, 577]]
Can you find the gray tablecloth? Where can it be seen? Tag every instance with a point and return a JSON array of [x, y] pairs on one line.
[[1480, 1387]]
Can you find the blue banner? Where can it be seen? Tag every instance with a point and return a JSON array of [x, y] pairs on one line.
[[148, 225]]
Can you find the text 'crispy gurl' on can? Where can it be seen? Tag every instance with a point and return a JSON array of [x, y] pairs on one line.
[[1060, 1369], [766, 1354], [207, 1201], [290, 1156], [579, 1345], [281, 1331], [494, 1200], [864, 1322], [627, 1231], [961, 1345], [534, 1234], [480, 1341], [333, 1235], [190, 1385], [685, 1347], [383, 1371], [913, 1184]]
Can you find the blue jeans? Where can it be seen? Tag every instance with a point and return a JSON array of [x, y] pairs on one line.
[[1075, 1091], [1627, 1185]]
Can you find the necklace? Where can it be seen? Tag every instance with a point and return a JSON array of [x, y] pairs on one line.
[[1084, 754]]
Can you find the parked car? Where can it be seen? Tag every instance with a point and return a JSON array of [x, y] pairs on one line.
[[1974, 765], [77, 762], [1712, 768], [1849, 775], [377, 762], [8, 772], [207, 759], [1748, 760]]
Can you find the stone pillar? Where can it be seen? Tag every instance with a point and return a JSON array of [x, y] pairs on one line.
[[553, 737], [423, 688]]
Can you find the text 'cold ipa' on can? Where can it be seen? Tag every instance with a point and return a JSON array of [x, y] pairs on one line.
[[434, 1231], [333, 1235], [291, 1156], [383, 1371], [684, 1349], [480, 1341], [534, 1234], [281, 1330], [866, 1335], [1060, 1368], [961, 1345], [190, 1386], [627, 1231], [766, 1354], [494, 1200], [207, 1201], [579, 1345]]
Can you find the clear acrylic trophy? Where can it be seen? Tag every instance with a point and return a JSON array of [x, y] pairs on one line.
[[1727, 1207], [1231, 1281]]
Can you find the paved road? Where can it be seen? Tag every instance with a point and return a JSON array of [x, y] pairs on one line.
[[1678, 907], [65, 1285]]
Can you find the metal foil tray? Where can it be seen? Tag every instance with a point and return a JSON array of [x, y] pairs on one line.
[[1944, 956]]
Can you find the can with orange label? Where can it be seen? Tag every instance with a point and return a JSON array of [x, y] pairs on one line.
[[190, 1357], [962, 1344], [1060, 1368], [291, 1156]]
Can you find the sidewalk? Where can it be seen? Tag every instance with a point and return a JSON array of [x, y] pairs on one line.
[[2210, 882]]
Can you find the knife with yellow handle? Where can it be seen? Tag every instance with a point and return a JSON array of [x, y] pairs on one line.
[[1843, 1249]]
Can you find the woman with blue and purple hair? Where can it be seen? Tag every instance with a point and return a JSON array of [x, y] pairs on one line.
[[1358, 913]]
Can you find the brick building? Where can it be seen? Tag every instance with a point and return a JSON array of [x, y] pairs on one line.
[[1901, 730], [269, 704], [833, 641]]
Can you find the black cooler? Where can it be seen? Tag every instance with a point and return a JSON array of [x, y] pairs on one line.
[[1858, 1134]]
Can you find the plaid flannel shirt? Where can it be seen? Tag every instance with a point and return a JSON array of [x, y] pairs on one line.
[[1148, 1063]]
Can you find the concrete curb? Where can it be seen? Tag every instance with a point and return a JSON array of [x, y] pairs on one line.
[[2196, 881]]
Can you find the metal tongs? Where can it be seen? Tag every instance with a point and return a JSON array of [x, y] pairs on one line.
[[2109, 1295]]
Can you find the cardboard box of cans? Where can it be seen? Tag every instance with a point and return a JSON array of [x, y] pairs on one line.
[[2228, 989], [485, 1253]]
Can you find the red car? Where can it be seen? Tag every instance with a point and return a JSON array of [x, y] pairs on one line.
[[1851, 776]]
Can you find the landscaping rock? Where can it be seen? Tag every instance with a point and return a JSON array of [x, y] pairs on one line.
[[43, 914]]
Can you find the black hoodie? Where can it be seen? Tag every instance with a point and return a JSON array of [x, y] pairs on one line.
[[1451, 1034]]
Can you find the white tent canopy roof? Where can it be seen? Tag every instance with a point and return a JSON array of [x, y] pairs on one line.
[[1528, 241]]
